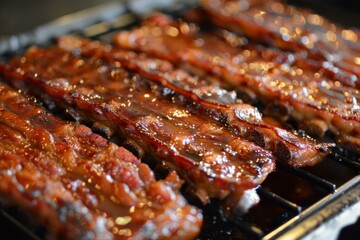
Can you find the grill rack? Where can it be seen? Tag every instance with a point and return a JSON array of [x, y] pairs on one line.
[[297, 219]]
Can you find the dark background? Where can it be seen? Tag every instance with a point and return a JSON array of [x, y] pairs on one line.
[[19, 16], [345, 12]]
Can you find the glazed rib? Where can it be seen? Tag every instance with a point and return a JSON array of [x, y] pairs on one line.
[[297, 30], [204, 97], [79, 185], [215, 163], [316, 102]]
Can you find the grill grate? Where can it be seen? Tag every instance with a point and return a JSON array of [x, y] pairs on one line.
[[282, 207], [326, 185], [336, 155], [292, 207]]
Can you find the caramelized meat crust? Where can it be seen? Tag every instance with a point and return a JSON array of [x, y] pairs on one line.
[[201, 95], [315, 102], [215, 163], [78, 184], [335, 49]]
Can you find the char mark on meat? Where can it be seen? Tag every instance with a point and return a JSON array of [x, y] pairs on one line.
[[333, 50], [79, 185], [202, 96], [212, 56], [214, 162], [307, 98]]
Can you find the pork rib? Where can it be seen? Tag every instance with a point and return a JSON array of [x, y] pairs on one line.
[[297, 30], [211, 100], [212, 160], [314, 101], [79, 185]]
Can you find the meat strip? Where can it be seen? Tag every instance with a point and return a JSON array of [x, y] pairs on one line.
[[335, 49], [315, 102], [79, 185], [203, 96], [214, 162]]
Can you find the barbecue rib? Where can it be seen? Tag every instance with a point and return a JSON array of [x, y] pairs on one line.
[[296, 30], [78, 184], [316, 102], [211, 100], [214, 162]]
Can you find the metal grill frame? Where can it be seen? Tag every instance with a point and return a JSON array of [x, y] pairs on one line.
[[96, 22]]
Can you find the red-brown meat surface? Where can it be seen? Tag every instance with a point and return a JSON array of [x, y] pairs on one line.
[[208, 156], [308, 34], [316, 102], [205, 97], [79, 185]]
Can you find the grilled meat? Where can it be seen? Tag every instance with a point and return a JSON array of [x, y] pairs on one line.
[[214, 162], [314, 101], [79, 185], [209, 99], [334, 49]]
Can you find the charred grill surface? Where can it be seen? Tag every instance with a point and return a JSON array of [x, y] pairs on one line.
[[315, 102], [209, 157], [204, 97], [79, 185]]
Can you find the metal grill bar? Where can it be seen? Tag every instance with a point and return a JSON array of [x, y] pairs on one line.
[[326, 185], [21, 227], [290, 206], [104, 27], [63, 25], [252, 231], [338, 157], [320, 211]]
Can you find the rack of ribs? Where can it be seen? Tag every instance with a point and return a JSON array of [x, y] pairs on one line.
[[214, 162], [315, 102], [336, 50], [80, 186], [202, 96]]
